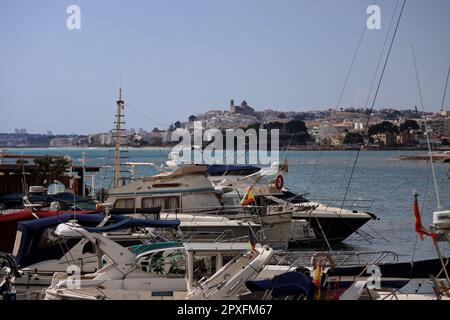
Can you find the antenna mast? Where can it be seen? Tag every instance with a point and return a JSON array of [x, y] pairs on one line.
[[118, 140]]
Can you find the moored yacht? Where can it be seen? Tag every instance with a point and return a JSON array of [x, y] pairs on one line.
[[311, 221], [161, 271], [39, 253], [186, 194], [332, 224]]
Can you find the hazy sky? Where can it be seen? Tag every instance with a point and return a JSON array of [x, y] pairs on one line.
[[180, 57]]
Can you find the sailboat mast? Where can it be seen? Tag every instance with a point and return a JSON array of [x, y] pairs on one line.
[[118, 140]]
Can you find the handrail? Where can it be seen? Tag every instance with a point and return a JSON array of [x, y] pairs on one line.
[[341, 258]]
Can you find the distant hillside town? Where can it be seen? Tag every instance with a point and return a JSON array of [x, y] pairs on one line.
[[344, 128]]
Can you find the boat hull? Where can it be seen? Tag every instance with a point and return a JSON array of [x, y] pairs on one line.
[[336, 229]]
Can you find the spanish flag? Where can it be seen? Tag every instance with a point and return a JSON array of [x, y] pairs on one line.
[[248, 197], [317, 280]]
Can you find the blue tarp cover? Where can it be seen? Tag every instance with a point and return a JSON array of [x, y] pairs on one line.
[[35, 246], [289, 283], [129, 222], [33, 197]]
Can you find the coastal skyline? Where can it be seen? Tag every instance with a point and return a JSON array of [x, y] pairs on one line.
[[175, 59]]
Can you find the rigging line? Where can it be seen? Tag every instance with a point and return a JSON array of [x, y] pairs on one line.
[[375, 77], [413, 254], [444, 267], [324, 237], [346, 81], [351, 66], [146, 116], [379, 234], [381, 55], [376, 72], [426, 192], [289, 145], [445, 89], [313, 172], [346, 174], [347, 78], [376, 94], [436, 189]]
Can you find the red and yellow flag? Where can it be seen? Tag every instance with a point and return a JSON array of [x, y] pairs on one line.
[[317, 280], [249, 197]]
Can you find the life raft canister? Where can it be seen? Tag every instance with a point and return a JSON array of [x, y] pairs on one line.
[[279, 182]]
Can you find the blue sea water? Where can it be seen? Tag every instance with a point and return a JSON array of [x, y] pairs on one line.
[[324, 176]]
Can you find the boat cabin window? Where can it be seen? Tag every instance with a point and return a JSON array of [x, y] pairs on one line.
[[204, 266], [49, 239], [56, 187], [124, 203], [167, 263], [88, 248], [171, 202], [83, 205]]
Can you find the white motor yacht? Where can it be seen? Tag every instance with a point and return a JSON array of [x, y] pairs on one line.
[[188, 195], [161, 271]]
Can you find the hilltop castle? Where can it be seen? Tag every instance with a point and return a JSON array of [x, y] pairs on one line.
[[243, 108]]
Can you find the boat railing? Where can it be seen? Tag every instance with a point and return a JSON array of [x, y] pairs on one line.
[[226, 236], [340, 258], [328, 203], [231, 239], [220, 212], [357, 203]]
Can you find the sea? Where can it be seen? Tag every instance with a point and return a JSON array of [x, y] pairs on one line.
[[374, 181]]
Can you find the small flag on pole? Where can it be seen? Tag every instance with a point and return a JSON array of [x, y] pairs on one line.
[[249, 197], [420, 229], [317, 280]]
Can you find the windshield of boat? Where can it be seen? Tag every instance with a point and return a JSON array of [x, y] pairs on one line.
[[83, 205], [167, 263]]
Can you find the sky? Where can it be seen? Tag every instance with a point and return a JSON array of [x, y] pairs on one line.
[[174, 58]]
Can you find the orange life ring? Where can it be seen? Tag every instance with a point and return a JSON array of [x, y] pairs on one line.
[[279, 182]]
